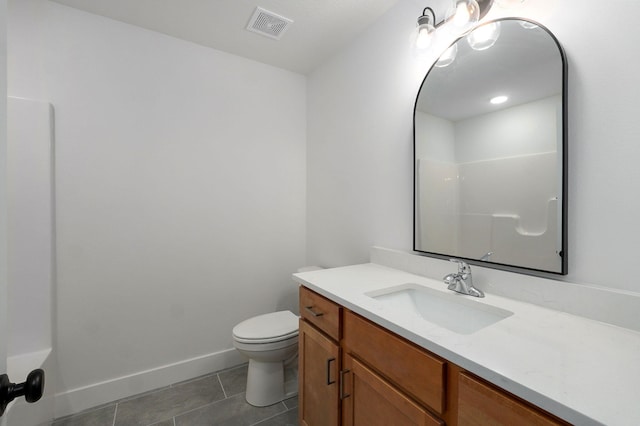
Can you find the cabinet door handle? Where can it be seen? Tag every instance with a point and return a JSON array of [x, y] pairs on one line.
[[329, 381], [314, 313], [342, 394]]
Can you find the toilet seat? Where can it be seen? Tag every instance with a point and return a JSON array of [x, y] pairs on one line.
[[270, 342], [267, 328]]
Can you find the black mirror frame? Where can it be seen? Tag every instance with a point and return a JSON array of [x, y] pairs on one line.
[[564, 228]]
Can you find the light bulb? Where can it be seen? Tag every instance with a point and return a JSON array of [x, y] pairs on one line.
[[462, 16], [448, 56], [424, 36], [484, 36]]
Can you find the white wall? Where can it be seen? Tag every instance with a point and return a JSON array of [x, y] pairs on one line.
[[435, 161], [438, 208], [30, 225], [3, 187], [147, 280], [359, 147], [361, 105], [439, 136], [519, 142], [180, 190], [461, 215], [525, 129]]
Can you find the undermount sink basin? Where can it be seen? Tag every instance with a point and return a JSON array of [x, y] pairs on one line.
[[452, 311]]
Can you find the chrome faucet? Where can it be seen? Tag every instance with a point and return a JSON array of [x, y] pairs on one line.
[[462, 282]]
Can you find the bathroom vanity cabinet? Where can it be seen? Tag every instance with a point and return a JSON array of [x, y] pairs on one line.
[[319, 360], [355, 372]]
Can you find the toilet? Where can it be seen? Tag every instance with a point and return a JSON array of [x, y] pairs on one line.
[[270, 341]]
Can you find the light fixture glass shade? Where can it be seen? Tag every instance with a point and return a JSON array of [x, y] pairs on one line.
[[423, 36], [484, 36], [528, 25], [448, 56], [462, 16]]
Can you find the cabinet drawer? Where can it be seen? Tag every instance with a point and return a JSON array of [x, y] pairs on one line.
[[321, 312], [370, 400], [417, 372], [481, 404]]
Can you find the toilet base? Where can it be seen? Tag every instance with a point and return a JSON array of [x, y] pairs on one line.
[[266, 383]]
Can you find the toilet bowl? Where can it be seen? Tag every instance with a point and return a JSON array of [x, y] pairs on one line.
[[270, 341]]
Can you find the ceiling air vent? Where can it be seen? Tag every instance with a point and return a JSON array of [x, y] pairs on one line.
[[268, 23]]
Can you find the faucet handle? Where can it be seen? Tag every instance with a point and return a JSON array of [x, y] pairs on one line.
[[451, 278], [463, 267], [485, 257]]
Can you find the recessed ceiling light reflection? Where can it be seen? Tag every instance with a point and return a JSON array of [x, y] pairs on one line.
[[499, 99]]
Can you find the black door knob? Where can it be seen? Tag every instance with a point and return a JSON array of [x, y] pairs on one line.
[[31, 389]]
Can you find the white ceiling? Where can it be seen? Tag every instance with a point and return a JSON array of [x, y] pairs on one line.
[[319, 29]]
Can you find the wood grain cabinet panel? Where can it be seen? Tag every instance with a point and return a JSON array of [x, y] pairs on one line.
[[321, 312], [480, 404], [318, 371], [357, 373], [370, 400], [418, 373]]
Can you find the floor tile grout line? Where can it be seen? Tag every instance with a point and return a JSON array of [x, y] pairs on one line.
[[202, 406], [142, 394], [194, 379], [115, 414], [87, 411], [234, 396], [165, 388], [222, 386], [275, 415]]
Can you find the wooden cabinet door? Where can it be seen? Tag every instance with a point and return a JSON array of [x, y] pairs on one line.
[[480, 404], [419, 374], [367, 399], [318, 371]]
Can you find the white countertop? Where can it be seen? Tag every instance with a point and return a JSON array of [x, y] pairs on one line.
[[581, 370]]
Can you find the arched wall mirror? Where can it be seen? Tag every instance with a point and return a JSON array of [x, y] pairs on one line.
[[490, 177]]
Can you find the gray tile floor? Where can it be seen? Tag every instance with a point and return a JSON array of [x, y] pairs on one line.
[[215, 399]]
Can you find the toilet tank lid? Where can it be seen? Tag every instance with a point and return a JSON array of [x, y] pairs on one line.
[[274, 324]]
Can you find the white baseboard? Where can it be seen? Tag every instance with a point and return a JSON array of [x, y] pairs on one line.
[[80, 399]]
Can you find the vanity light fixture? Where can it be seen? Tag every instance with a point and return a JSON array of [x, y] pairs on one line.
[[425, 30], [463, 15], [460, 18], [484, 36], [448, 56], [497, 100]]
